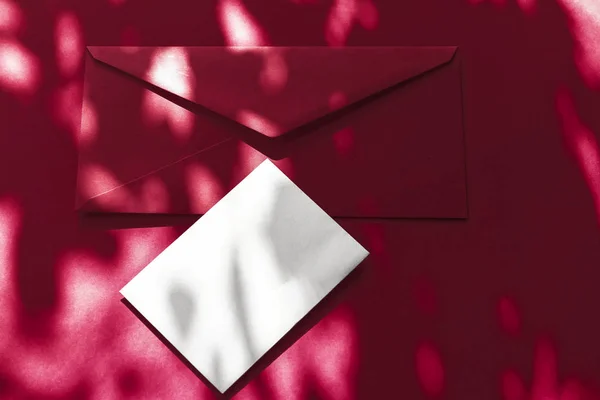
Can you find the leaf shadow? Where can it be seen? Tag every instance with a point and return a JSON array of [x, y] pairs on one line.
[[332, 300]]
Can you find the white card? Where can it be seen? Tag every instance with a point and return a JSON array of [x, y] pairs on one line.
[[232, 285]]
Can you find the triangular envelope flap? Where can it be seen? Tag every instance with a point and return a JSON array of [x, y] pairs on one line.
[[273, 90]]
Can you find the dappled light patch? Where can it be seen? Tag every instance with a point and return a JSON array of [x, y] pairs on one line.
[[134, 359], [11, 16], [258, 122], [545, 373], [155, 195], [326, 356], [10, 225], [337, 100], [342, 16], [249, 392], [508, 315], [238, 26], [334, 350], [528, 6], [287, 374], [204, 188], [152, 359], [69, 44], [96, 180], [582, 143], [430, 369], [86, 292], [339, 22], [157, 109], [89, 123], [170, 70], [140, 246], [343, 141], [89, 341], [513, 387], [19, 68], [246, 160], [50, 368], [367, 14], [274, 74], [67, 108], [545, 383], [585, 27]]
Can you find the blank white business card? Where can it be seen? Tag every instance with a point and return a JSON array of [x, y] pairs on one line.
[[243, 275]]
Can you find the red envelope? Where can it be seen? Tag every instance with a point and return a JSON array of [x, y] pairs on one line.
[[364, 131]]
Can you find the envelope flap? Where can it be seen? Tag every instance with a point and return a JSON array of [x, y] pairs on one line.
[[274, 90]]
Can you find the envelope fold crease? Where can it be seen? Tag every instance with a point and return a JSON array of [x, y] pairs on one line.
[[227, 82], [366, 132]]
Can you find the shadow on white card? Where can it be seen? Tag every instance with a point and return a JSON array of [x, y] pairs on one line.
[[183, 305], [320, 311], [233, 285]]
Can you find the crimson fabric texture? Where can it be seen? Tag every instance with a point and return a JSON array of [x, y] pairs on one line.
[[402, 119], [498, 305]]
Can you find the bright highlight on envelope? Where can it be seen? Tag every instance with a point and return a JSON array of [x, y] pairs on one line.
[[243, 275], [365, 132]]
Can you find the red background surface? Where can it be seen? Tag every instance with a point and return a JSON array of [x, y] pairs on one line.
[[396, 152], [502, 306]]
